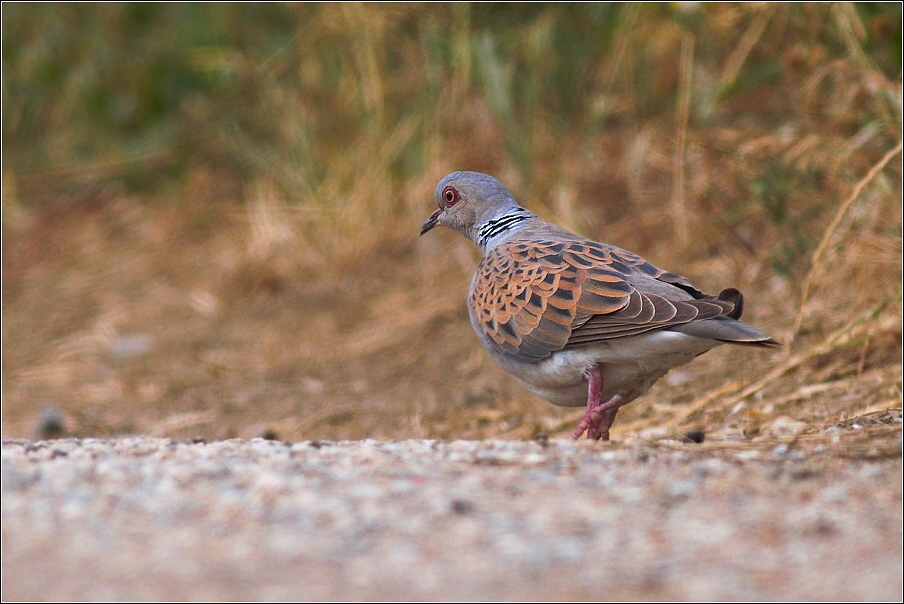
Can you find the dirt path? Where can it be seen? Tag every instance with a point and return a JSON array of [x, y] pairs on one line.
[[148, 519]]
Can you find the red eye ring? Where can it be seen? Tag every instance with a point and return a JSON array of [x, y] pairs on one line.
[[451, 196]]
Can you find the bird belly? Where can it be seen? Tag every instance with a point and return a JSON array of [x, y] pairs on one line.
[[630, 366]]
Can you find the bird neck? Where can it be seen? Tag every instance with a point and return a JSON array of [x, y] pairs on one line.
[[501, 227]]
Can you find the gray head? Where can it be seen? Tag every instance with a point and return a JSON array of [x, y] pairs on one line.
[[468, 201]]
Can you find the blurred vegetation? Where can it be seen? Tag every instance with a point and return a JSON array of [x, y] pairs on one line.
[[139, 93], [327, 126], [321, 99]]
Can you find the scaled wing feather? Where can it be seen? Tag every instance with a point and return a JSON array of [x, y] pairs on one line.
[[534, 298]]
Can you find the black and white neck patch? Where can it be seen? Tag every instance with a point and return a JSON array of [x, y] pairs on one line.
[[498, 226]]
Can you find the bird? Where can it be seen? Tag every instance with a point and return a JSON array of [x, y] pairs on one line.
[[577, 322]]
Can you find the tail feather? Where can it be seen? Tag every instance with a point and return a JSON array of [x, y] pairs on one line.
[[734, 296], [729, 330]]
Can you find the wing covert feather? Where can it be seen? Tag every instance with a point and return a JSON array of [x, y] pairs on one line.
[[532, 298]]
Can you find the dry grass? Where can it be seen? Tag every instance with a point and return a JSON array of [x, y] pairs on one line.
[[300, 303]]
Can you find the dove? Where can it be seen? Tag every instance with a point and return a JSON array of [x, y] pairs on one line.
[[577, 322]]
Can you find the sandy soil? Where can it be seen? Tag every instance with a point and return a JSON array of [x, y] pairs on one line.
[[145, 519]]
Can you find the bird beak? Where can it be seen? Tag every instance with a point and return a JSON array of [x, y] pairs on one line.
[[431, 222]]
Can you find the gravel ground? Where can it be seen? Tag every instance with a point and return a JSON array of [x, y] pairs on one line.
[[149, 519]]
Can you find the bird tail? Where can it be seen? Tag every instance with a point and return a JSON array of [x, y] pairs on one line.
[[728, 328]]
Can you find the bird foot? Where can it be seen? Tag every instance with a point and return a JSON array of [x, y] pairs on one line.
[[597, 420], [599, 416]]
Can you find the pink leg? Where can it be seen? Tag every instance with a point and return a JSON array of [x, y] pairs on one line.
[[599, 415]]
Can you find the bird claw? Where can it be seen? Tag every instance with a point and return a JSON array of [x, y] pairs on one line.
[[599, 416]]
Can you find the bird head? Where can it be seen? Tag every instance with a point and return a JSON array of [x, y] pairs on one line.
[[467, 200]]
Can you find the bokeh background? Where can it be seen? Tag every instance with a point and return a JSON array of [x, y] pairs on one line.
[[211, 212]]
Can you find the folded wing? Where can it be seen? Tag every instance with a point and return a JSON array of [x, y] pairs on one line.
[[534, 298]]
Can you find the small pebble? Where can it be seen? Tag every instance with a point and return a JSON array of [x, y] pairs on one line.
[[695, 436], [462, 507], [51, 424]]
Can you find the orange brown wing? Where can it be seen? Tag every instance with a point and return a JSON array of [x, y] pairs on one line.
[[531, 299]]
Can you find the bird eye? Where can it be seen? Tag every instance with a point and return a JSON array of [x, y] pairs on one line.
[[450, 194]]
